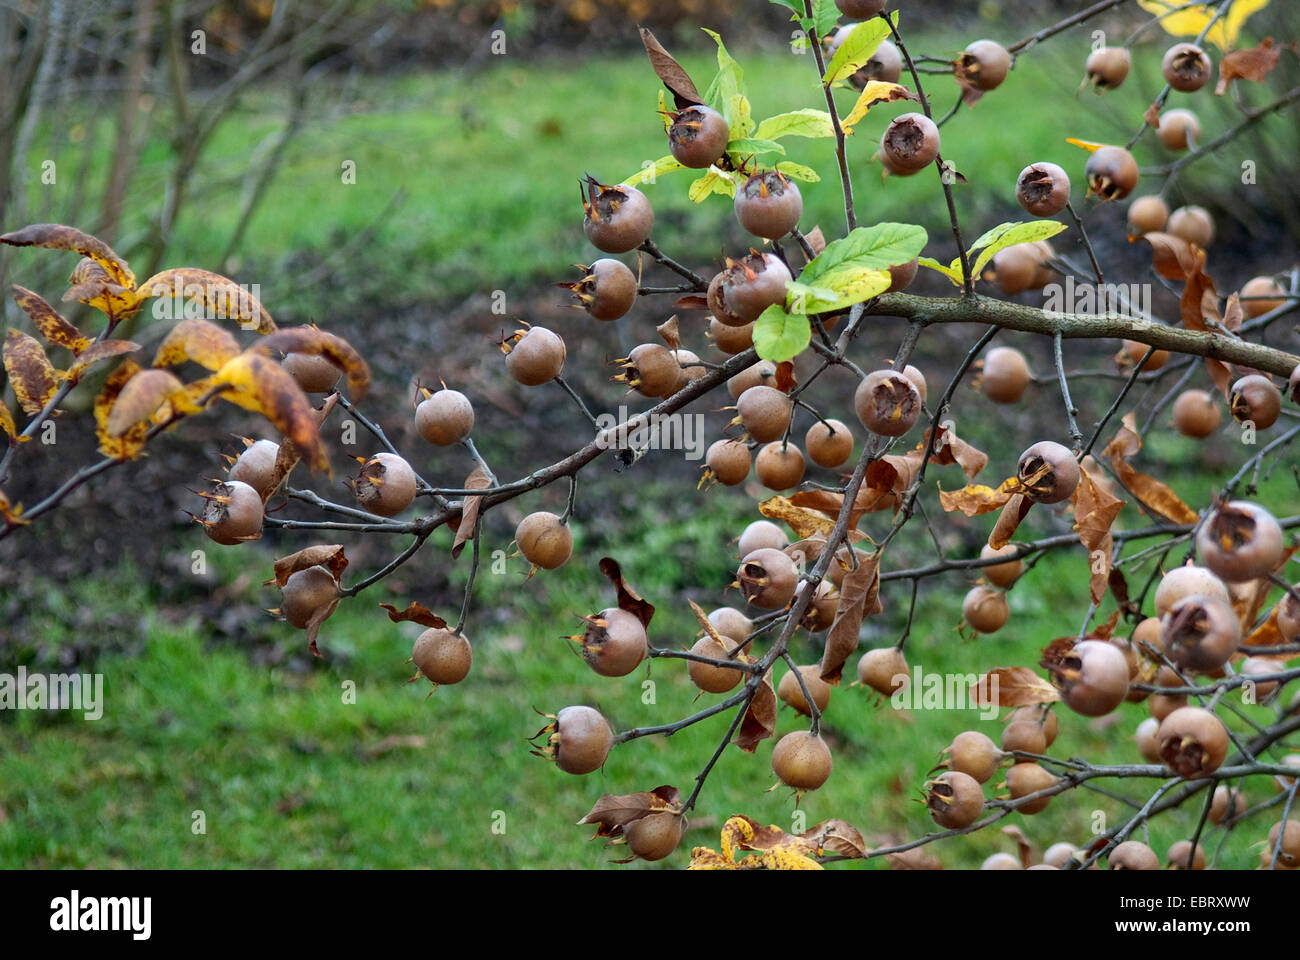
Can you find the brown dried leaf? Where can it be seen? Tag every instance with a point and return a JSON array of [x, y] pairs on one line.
[[30, 373], [140, 397], [838, 837], [1013, 687], [7, 424], [1023, 848], [111, 299], [1009, 521], [1095, 511], [950, 448], [691, 302], [628, 599], [670, 72], [415, 612], [219, 296], [11, 514], [1156, 495], [859, 598], [55, 236], [57, 331], [330, 556], [467, 523], [314, 340], [1233, 314], [129, 444], [760, 717], [614, 812], [806, 551], [289, 456], [1173, 257], [785, 378], [97, 352], [1253, 64], [260, 384], [816, 240], [1152, 115], [668, 333], [318, 617], [202, 341], [771, 837]]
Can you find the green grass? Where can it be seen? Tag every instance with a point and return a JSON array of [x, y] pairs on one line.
[[284, 771]]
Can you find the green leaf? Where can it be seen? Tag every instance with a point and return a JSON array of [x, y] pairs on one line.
[[728, 83], [856, 268], [753, 147], [744, 124], [801, 296], [797, 123], [825, 15], [1009, 234], [949, 272], [858, 47], [793, 5], [780, 336], [664, 113], [715, 181], [797, 171], [650, 172]]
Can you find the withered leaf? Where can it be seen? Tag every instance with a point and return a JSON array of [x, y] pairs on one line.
[[669, 334], [199, 340], [1173, 257], [804, 522], [218, 296], [816, 240], [128, 445], [859, 598], [1023, 847], [1252, 64], [1009, 521], [976, 498], [318, 617], [289, 456], [112, 299], [139, 398], [55, 236], [330, 556], [670, 72], [806, 551], [57, 331], [691, 301], [260, 384], [1152, 115], [30, 373], [7, 424], [1156, 495], [760, 716], [785, 378], [628, 599], [314, 340], [467, 523], [838, 837], [1013, 687], [1268, 634], [772, 837], [950, 448], [1095, 511], [613, 812], [915, 859], [99, 351], [415, 612]]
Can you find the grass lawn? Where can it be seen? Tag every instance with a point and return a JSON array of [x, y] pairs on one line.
[[288, 774]]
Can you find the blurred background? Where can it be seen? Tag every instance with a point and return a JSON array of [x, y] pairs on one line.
[[393, 171]]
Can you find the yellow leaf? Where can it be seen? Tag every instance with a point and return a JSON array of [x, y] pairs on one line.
[[102, 350], [1190, 22], [33, 378], [876, 91], [802, 521], [735, 832], [128, 445], [55, 236], [139, 398], [8, 426], [199, 340], [260, 384], [56, 330], [219, 296], [784, 859], [976, 498], [704, 858]]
